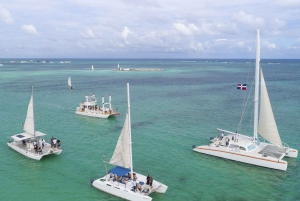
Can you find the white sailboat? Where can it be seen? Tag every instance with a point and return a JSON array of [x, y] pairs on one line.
[[242, 148], [116, 182], [30, 143], [69, 83], [92, 67]]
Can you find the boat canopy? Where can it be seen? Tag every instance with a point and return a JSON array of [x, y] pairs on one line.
[[120, 171], [24, 136]]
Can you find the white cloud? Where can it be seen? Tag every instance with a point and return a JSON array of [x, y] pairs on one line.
[[125, 33], [5, 16], [88, 34], [269, 45], [29, 28], [221, 39], [186, 30], [248, 19]]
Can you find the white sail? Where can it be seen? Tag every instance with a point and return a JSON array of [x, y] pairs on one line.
[[92, 67], [122, 155], [29, 121], [267, 125], [69, 82]]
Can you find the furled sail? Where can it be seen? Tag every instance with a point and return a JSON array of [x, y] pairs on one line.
[[29, 121], [122, 156], [267, 127], [69, 82]]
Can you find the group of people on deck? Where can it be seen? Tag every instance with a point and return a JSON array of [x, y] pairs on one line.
[[136, 185], [235, 138], [55, 143]]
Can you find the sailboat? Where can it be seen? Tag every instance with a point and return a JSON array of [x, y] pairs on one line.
[[69, 83], [30, 143], [92, 67], [116, 181], [239, 147]]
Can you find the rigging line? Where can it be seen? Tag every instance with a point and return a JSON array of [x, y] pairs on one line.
[[245, 107]]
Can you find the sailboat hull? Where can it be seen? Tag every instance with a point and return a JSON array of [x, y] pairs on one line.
[[125, 190], [292, 153], [254, 159], [28, 151]]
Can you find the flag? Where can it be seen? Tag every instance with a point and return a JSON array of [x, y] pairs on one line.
[[242, 86]]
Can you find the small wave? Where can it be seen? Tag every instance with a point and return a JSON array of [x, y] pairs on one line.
[[273, 63]]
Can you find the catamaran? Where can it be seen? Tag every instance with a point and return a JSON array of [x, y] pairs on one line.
[[117, 182], [30, 143], [69, 83], [242, 148], [91, 109]]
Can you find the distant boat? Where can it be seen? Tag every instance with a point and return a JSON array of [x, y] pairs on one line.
[[30, 143], [92, 67], [251, 150], [70, 84], [116, 182], [91, 109]]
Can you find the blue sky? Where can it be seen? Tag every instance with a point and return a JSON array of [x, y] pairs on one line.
[[148, 28]]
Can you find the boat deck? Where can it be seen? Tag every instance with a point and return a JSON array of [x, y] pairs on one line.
[[29, 148], [272, 150]]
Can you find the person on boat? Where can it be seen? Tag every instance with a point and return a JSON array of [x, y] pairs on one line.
[[129, 176], [134, 185], [43, 143], [134, 177], [58, 144], [222, 135], [54, 142], [148, 180], [139, 187], [40, 151], [236, 137], [24, 142], [35, 147]]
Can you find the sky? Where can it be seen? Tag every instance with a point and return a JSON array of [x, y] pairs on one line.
[[149, 28]]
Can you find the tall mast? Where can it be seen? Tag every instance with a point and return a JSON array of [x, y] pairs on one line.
[[129, 129], [256, 85], [32, 110]]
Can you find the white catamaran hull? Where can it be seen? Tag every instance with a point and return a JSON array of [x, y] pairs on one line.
[[93, 114], [124, 190], [29, 153], [268, 162]]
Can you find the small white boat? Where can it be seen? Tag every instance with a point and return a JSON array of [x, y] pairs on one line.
[[30, 143], [91, 109], [92, 67], [70, 84], [242, 148], [117, 182]]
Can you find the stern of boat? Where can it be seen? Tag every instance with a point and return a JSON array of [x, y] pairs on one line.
[[161, 189], [291, 153]]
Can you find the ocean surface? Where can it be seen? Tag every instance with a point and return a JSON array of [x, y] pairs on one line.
[[171, 111]]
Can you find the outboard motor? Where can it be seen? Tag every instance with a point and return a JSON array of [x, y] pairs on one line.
[[92, 180], [194, 146]]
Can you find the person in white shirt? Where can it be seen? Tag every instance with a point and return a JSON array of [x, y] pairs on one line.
[[54, 142]]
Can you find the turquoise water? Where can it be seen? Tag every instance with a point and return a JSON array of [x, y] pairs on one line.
[[170, 110]]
